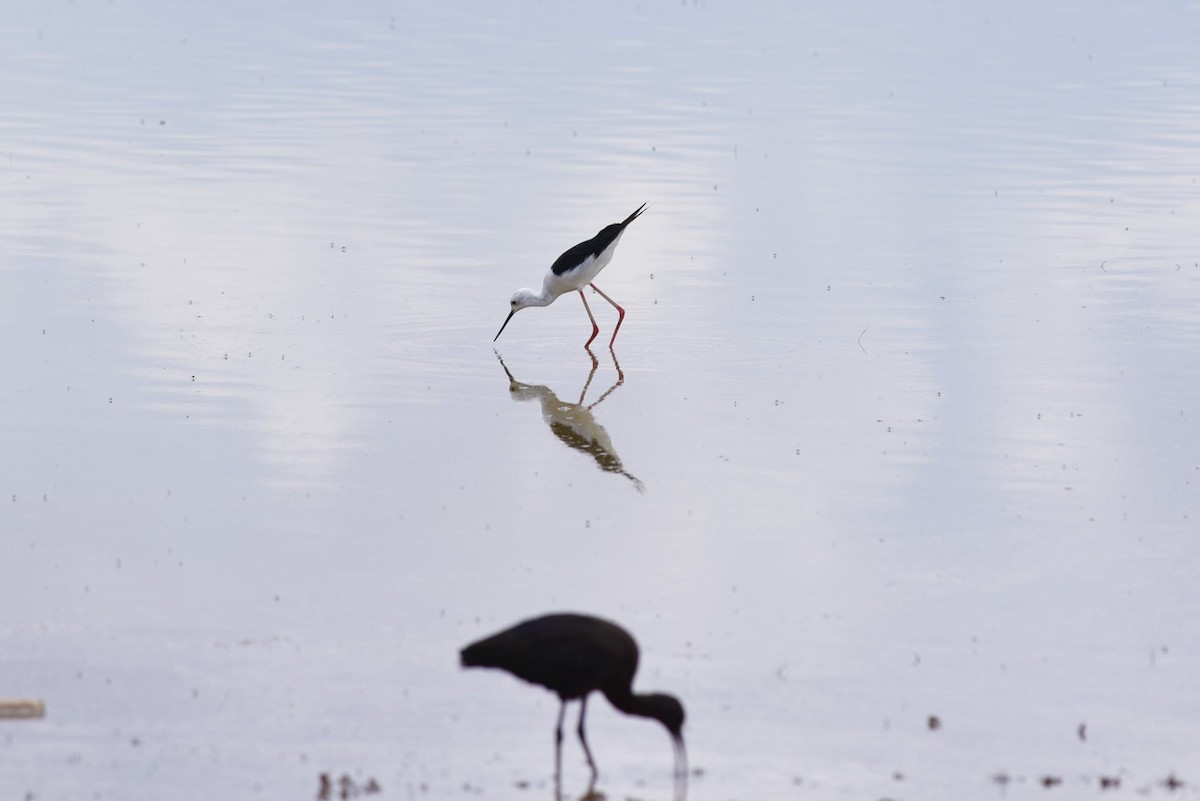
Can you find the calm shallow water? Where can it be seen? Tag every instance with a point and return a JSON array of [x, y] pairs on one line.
[[909, 392]]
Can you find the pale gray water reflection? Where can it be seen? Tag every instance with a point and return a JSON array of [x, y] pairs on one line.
[[909, 365], [573, 423]]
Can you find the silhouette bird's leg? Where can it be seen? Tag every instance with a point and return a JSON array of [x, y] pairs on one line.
[[562, 710], [620, 315], [583, 739], [595, 328]]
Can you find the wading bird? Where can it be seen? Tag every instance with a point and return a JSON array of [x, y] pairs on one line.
[[574, 655], [574, 270]]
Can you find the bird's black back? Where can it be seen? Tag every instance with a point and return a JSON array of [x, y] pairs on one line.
[[569, 654], [594, 246]]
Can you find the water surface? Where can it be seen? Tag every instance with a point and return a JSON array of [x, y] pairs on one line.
[[904, 404]]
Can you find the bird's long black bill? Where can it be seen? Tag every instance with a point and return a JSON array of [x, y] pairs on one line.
[[506, 319], [680, 770]]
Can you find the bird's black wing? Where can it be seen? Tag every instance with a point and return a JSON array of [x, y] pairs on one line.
[[594, 246], [576, 255], [571, 655]]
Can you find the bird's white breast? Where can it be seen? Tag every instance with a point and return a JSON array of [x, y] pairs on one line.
[[583, 274]]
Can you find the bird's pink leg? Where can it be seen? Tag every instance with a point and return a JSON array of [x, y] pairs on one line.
[[595, 328], [620, 314], [583, 739]]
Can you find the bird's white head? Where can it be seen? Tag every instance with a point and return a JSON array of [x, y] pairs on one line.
[[521, 299]]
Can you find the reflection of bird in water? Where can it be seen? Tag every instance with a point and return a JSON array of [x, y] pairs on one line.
[[574, 270], [573, 423], [573, 656]]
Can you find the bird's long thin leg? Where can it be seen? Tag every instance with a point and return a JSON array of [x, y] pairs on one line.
[[595, 328], [583, 739], [562, 711], [620, 314]]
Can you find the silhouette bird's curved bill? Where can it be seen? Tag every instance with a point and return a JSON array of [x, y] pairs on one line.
[[681, 767]]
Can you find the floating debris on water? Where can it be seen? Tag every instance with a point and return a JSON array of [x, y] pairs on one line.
[[23, 709]]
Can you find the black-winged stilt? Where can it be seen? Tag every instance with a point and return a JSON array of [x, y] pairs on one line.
[[574, 655], [574, 270]]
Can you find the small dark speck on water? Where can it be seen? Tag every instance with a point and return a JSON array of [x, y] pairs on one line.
[[934, 723]]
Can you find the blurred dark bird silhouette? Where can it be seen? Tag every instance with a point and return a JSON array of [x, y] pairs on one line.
[[574, 655]]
